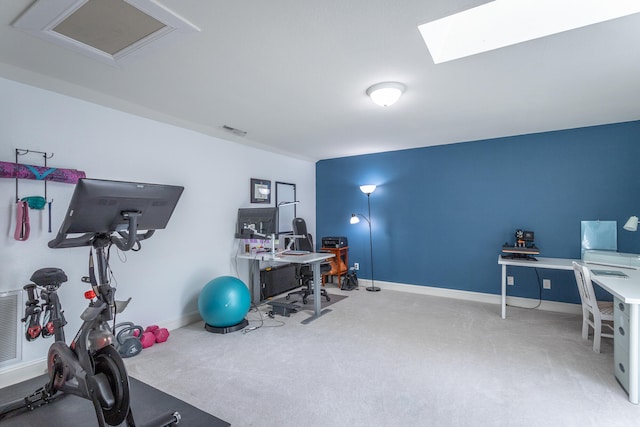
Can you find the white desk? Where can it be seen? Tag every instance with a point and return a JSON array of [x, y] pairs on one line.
[[313, 258], [551, 263], [627, 290]]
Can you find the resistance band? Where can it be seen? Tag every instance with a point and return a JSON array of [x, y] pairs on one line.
[[23, 228]]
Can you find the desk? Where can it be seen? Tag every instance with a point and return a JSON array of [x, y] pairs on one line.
[[625, 289], [313, 258], [551, 263], [628, 291], [339, 264]]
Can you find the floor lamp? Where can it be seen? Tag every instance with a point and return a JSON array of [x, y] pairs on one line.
[[367, 189]]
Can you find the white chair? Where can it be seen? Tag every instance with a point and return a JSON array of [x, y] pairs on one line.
[[594, 313]]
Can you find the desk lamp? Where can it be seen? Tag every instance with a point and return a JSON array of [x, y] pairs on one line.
[[631, 224], [367, 189]]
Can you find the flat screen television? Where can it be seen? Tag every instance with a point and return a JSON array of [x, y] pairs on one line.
[[256, 222], [102, 206]]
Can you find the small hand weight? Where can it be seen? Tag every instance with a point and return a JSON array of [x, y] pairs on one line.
[[148, 339], [162, 334], [152, 328]]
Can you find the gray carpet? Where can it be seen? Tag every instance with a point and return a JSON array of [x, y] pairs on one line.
[[394, 359]]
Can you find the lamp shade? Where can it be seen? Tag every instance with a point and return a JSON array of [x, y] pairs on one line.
[[385, 94], [631, 224], [368, 189], [354, 219]]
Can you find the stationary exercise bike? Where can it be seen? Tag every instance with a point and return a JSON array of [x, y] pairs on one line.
[[90, 367]]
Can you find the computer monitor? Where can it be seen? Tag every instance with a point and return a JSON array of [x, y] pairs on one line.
[[256, 222], [101, 206]]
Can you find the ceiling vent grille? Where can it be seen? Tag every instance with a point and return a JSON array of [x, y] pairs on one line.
[[234, 130], [112, 31]]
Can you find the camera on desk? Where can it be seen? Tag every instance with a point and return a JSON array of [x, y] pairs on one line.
[[523, 248], [524, 239]]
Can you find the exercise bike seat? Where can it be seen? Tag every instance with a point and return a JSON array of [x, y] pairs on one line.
[[49, 276]]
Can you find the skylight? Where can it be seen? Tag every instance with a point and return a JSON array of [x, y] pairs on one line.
[[503, 23]]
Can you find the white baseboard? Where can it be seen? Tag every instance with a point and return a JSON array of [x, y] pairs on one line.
[[27, 370], [560, 307], [22, 372], [181, 321]]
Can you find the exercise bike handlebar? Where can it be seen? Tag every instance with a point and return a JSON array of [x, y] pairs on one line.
[[127, 238]]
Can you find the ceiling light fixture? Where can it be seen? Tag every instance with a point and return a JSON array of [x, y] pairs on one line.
[[387, 93]]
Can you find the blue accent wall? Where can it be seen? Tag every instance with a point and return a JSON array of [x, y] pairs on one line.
[[441, 214]]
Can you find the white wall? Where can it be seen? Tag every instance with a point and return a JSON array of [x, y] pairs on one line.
[[165, 277]]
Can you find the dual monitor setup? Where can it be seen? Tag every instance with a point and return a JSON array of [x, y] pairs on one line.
[[257, 222], [262, 223]]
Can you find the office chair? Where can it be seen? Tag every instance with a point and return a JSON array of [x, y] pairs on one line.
[[304, 272], [594, 313]]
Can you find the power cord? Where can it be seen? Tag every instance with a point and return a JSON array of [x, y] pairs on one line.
[[539, 295], [261, 321]]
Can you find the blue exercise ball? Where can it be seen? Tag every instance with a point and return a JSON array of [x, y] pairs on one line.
[[224, 301]]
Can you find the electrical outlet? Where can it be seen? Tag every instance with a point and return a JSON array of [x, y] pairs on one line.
[[510, 280], [356, 266], [546, 284]]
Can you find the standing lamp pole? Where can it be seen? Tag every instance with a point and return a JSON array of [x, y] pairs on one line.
[[371, 288], [367, 189]]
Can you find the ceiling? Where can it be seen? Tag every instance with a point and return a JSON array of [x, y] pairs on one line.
[[293, 75]]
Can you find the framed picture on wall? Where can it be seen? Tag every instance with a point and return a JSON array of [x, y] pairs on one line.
[[260, 191]]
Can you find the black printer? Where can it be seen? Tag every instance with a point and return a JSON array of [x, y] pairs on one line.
[[334, 242]]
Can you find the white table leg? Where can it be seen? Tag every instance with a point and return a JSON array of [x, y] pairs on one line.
[[504, 291], [633, 353]]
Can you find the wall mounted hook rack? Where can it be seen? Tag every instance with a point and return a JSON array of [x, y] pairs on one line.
[[45, 157]]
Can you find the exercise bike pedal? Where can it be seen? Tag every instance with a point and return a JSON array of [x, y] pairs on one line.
[[166, 420]]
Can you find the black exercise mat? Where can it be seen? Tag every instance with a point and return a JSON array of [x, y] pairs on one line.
[[67, 410], [310, 305]]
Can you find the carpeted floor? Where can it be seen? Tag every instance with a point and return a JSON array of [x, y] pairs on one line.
[[389, 359], [394, 359]]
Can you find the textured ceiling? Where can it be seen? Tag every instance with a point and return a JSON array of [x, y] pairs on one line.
[[293, 75]]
